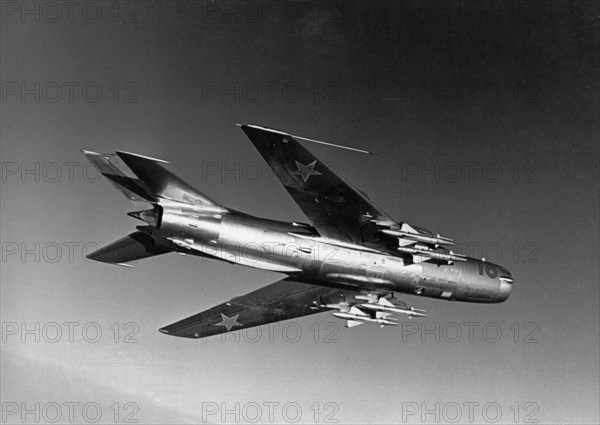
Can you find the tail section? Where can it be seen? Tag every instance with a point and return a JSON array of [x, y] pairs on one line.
[[144, 179]]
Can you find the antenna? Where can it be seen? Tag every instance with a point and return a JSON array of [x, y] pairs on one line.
[[305, 138], [333, 144]]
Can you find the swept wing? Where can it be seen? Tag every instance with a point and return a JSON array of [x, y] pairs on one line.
[[336, 208], [282, 300]]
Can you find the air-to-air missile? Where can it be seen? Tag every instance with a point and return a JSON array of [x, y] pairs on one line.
[[437, 240], [365, 318], [426, 252], [393, 309]]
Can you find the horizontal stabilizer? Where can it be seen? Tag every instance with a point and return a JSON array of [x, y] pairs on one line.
[[132, 247]]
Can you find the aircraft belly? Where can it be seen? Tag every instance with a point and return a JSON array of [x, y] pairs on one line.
[[234, 233], [277, 250], [365, 270], [270, 249], [405, 276], [189, 224], [437, 281]]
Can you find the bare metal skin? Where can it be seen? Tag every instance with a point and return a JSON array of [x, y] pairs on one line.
[[353, 259]]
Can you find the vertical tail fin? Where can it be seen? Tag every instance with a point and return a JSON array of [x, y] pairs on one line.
[[164, 184], [151, 180], [108, 165]]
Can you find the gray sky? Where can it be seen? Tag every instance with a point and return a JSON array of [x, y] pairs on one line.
[[484, 125]]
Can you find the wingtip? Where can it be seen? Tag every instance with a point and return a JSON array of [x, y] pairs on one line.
[[88, 152], [137, 155], [263, 128], [180, 335]]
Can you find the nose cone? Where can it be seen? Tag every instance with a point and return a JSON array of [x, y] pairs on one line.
[[504, 292], [506, 283]]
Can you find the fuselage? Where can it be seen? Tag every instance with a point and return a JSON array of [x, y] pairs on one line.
[[297, 250]]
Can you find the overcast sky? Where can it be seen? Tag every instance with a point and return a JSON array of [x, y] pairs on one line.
[[484, 126]]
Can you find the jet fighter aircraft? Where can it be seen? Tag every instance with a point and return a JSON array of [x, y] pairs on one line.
[[352, 258]]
